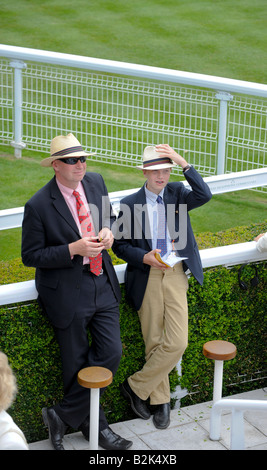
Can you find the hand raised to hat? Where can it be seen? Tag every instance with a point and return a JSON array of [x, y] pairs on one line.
[[167, 151]]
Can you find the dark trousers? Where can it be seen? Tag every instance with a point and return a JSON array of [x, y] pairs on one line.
[[98, 312]]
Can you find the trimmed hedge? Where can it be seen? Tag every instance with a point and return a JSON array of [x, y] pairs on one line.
[[218, 310], [222, 310]]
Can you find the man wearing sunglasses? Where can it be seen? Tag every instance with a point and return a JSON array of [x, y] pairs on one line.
[[66, 232]]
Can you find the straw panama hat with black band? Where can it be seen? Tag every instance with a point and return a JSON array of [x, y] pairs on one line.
[[152, 160], [64, 146]]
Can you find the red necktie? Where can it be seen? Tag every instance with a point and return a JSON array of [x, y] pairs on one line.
[[88, 231]]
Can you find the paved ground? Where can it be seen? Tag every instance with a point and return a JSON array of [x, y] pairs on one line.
[[189, 430]]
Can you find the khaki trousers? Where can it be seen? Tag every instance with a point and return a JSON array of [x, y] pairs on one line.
[[164, 322]]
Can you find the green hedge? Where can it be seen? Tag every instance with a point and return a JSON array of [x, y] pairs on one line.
[[222, 310], [218, 310]]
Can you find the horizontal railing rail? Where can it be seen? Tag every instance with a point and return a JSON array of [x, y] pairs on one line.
[[228, 255], [219, 184], [136, 70], [117, 108]]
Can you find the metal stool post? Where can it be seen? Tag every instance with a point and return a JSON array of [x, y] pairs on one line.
[[219, 351], [94, 378]]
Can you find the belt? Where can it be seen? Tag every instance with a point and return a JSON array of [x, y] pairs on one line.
[[86, 269]]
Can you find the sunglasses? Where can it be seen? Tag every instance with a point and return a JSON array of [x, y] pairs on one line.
[[73, 160]]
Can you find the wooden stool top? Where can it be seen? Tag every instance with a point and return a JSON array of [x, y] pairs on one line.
[[220, 350], [95, 377]]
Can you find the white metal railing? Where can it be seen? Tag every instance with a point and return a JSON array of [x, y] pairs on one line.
[[237, 407], [228, 255], [117, 108], [12, 218]]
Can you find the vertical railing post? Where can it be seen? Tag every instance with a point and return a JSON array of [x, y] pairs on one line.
[[17, 118], [224, 98], [237, 430]]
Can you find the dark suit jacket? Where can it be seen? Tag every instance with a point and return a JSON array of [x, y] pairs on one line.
[[48, 227], [132, 249]]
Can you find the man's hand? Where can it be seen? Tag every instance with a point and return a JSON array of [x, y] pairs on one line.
[[258, 237], [88, 246], [166, 151], [106, 237], [92, 246], [149, 258]]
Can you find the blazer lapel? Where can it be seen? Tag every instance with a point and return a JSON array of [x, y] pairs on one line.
[[172, 212], [141, 219], [94, 199], [61, 206]]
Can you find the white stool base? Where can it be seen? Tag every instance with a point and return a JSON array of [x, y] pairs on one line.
[[94, 419], [217, 381]]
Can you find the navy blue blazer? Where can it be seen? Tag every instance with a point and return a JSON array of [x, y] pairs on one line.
[[47, 229], [132, 249]]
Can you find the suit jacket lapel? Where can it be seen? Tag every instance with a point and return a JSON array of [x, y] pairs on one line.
[[61, 206], [172, 215], [141, 216]]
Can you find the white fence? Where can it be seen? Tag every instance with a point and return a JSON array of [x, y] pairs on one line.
[[12, 218], [229, 255], [237, 407], [116, 108]]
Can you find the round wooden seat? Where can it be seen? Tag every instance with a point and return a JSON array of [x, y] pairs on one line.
[[219, 350], [95, 377]]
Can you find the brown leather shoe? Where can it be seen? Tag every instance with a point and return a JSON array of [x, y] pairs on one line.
[[56, 427]]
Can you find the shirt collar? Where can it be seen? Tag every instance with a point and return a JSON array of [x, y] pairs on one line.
[[67, 192], [152, 197]]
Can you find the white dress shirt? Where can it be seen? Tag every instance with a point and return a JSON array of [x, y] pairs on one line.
[[152, 209]]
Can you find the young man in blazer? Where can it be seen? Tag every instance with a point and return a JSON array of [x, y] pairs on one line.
[[76, 282], [159, 293]]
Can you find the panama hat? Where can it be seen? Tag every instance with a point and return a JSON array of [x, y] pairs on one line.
[[64, 146], [152, 160]]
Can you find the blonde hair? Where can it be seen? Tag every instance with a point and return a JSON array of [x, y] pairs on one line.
[[8, 387]]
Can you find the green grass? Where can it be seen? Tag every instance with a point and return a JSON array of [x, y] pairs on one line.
[[223, 37]]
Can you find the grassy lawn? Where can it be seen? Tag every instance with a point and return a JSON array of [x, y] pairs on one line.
[[223, 38]]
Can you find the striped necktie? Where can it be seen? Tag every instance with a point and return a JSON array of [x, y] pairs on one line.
[[161, 239], [88, 231]]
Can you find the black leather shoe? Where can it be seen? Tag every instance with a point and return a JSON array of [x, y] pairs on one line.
[[111, 441], [56, 427], [138, 406], [161, 418]]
